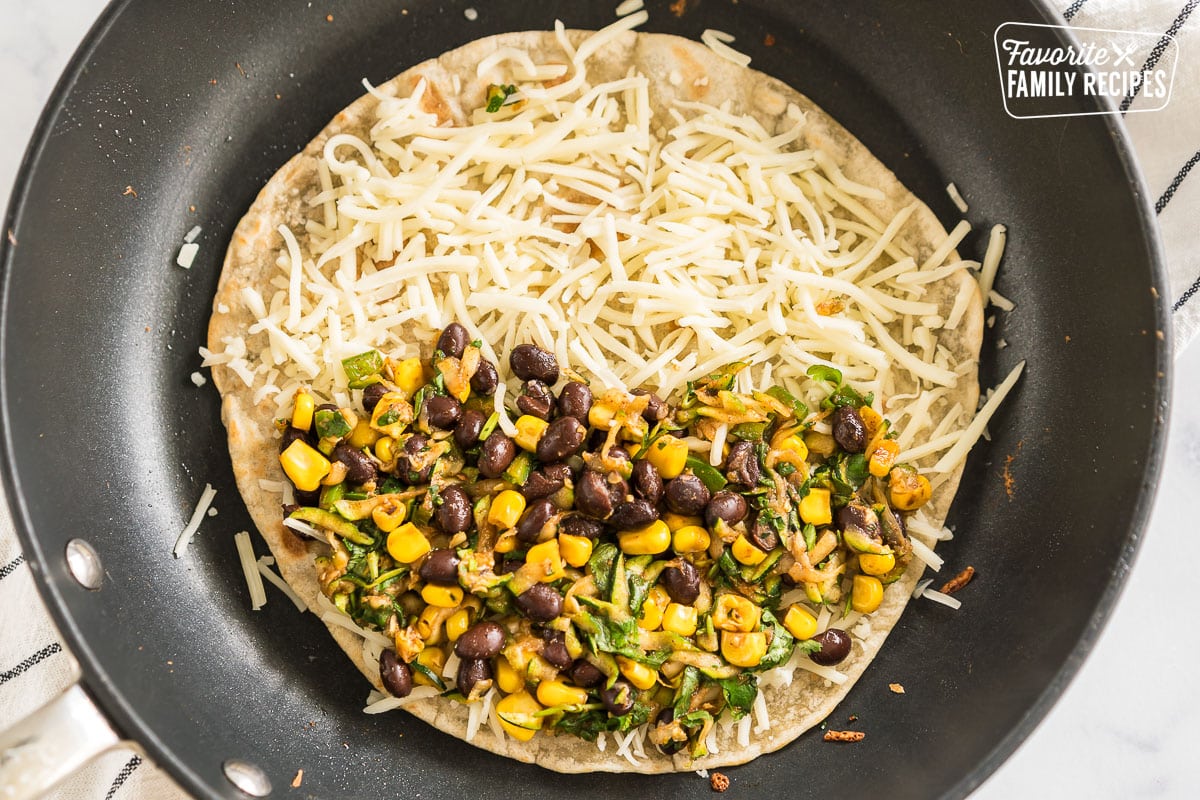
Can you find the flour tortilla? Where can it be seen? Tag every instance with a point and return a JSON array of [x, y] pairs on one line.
[[703, 77]]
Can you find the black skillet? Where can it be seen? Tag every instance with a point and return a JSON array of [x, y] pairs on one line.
[[194, 105]]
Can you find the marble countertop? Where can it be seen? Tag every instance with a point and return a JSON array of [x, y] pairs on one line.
[[1113, 734]]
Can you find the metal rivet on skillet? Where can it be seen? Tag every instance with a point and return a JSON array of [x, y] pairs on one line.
[[247, 777], [84, 563]]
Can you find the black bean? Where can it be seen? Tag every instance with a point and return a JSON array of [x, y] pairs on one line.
[[531, 527], [742, 465], [454, 514], [562, 438], [486, 379], [440, 566], [618, 487], [498, 452], [371, 396], [290, 435], [541, 484], [628, 516], [618, 698], [584, 673], [670, 746], [555, 650], [656, 409], [508, 564], [576, 525], [471, 673], [575, 400], [453, 340], [540, 602], [681, 582], [414, 448], [848, 429], [647, 482], [725, 505], [466, 434], [443, 411], [835, 646], [484, 639], [762, 535], [528, 361], [307, 498], [858, 515], [395, 674], [591, 495], [536, 400], [686, 495]]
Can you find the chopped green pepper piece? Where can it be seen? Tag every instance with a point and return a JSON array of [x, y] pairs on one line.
[[748, 431], [518, 471], [331, 494], [821, 372], [331, 424], [330, 521], [497, 95], [708, 474], [788, 399], [362, 370]]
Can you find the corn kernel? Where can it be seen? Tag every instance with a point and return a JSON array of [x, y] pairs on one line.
[[429, 624], [743, 649], [883, 457], [668, 454], [648, 541], [520, 707], [457, 623], [392, 414], [735, 613], [795, 444], [507, 678], [745, 552], [388, 516], [304, 465], [507, 542], [800, 623], [548, 555], [676, 521], [406, 544], [601, 416], [820, 444], [873, 564], [385, 449], [637, 673], [409, 375], [363, 435], [678, 618], [815, 509], [576, 550], [656, 600], [529, 431], [690, 539], [442, 596], [872, 421], [433, 659], [867, 594], [302, 412], [907, 490], [557, 693], [506, 509]]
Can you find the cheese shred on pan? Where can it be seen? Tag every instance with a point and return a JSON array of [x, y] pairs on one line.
[[258, 593], [189, 530], [640, 254]]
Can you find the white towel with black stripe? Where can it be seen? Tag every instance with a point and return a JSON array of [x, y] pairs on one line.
[[1167, 141]]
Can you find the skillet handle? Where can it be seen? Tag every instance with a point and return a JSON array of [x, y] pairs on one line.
[[51, 743]]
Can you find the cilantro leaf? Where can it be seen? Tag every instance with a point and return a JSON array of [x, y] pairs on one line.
[[739, 693]]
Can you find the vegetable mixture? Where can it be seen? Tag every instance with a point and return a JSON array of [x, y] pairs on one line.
[[596, 567]]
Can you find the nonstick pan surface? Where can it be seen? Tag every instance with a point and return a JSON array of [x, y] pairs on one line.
[[174, 115]]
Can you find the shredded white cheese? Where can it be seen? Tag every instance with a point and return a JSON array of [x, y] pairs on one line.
[[279, 583], [954, 456], [191, 235], [392, 703], [629, 6], [828, 673], [193, 525], [258, 593], [944, 599], [991, 259], [920, 588], [187, 254], [956, 198], [926, 555], [717, 42], [198, 379]]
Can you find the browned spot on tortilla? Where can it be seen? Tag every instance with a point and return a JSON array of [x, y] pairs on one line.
[[694, 74], [432, 101], [560, 79], [292, 541]]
